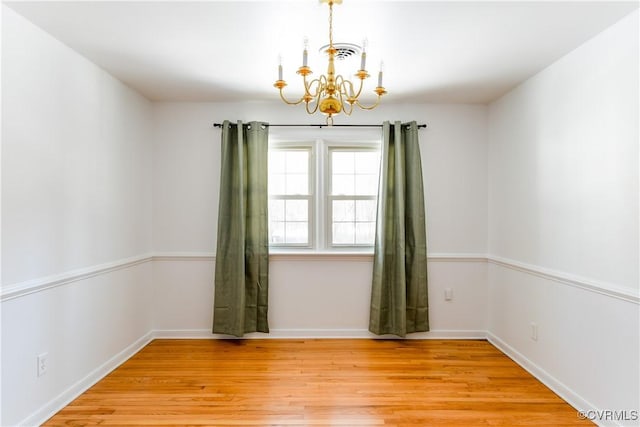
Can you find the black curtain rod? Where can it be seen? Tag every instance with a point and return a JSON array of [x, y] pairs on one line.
[[219, 125]]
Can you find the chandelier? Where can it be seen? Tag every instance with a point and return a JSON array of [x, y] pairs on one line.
[[331, 94]]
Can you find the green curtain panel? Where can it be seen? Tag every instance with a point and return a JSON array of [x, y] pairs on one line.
[[242, 256], [399, 300]]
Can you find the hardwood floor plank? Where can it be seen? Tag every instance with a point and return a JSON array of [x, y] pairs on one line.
[[390, 383]]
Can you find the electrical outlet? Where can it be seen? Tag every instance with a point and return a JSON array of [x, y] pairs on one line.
[[534, 331], [448, 294], [43, 363]]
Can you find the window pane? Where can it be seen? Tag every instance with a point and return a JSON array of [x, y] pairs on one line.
[[365, 210], [289, 221], [344, 210], [296, 210], [342, 184], [297, 162], [367, 162], [276, 161], [297, 232], [365, 233], [297, 184], [342, 162], [354, 172], [276, 183], [343, 233], [289, 172], [276, 210], [276, 232], [366, 185]]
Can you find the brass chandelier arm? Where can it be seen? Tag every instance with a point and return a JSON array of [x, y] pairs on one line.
[[286, 101], [313, 96], [347, 107], [347, 86], [319, 83], [307, 96], [369, 107], [348, 93], [316, 103], [310, 106]]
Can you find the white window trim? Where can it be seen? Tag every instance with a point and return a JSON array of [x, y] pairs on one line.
[[312, 197], [328, 205]]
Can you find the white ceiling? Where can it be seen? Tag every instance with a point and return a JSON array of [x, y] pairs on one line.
[[452, 52]]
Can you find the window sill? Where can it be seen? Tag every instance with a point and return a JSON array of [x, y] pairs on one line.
[[312, 255]]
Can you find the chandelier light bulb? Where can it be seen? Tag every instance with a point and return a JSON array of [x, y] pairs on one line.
[[305, 52], [363, 58]]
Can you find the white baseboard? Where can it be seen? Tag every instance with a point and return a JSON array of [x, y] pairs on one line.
[[317, 333], [566, 393], [62, 400]]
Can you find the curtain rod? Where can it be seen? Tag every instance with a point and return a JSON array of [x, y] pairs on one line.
[[219, 125]]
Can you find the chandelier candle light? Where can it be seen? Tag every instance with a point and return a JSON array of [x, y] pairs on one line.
[[329, 93]]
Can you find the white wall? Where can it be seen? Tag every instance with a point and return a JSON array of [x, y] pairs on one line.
[[317, 296], [563, 221], [76, 208]]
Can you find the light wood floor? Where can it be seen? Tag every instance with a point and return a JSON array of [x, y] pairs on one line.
[[318, 383]]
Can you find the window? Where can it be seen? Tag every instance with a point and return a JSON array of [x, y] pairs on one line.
[[352, 197], [323, 195], [290, 197]]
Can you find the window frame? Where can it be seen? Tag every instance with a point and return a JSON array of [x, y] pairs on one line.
[[329, 198], [320, 214], [310, 197]]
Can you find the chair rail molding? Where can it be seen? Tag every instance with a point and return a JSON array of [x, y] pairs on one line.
[[568, 279], [17, 290]]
